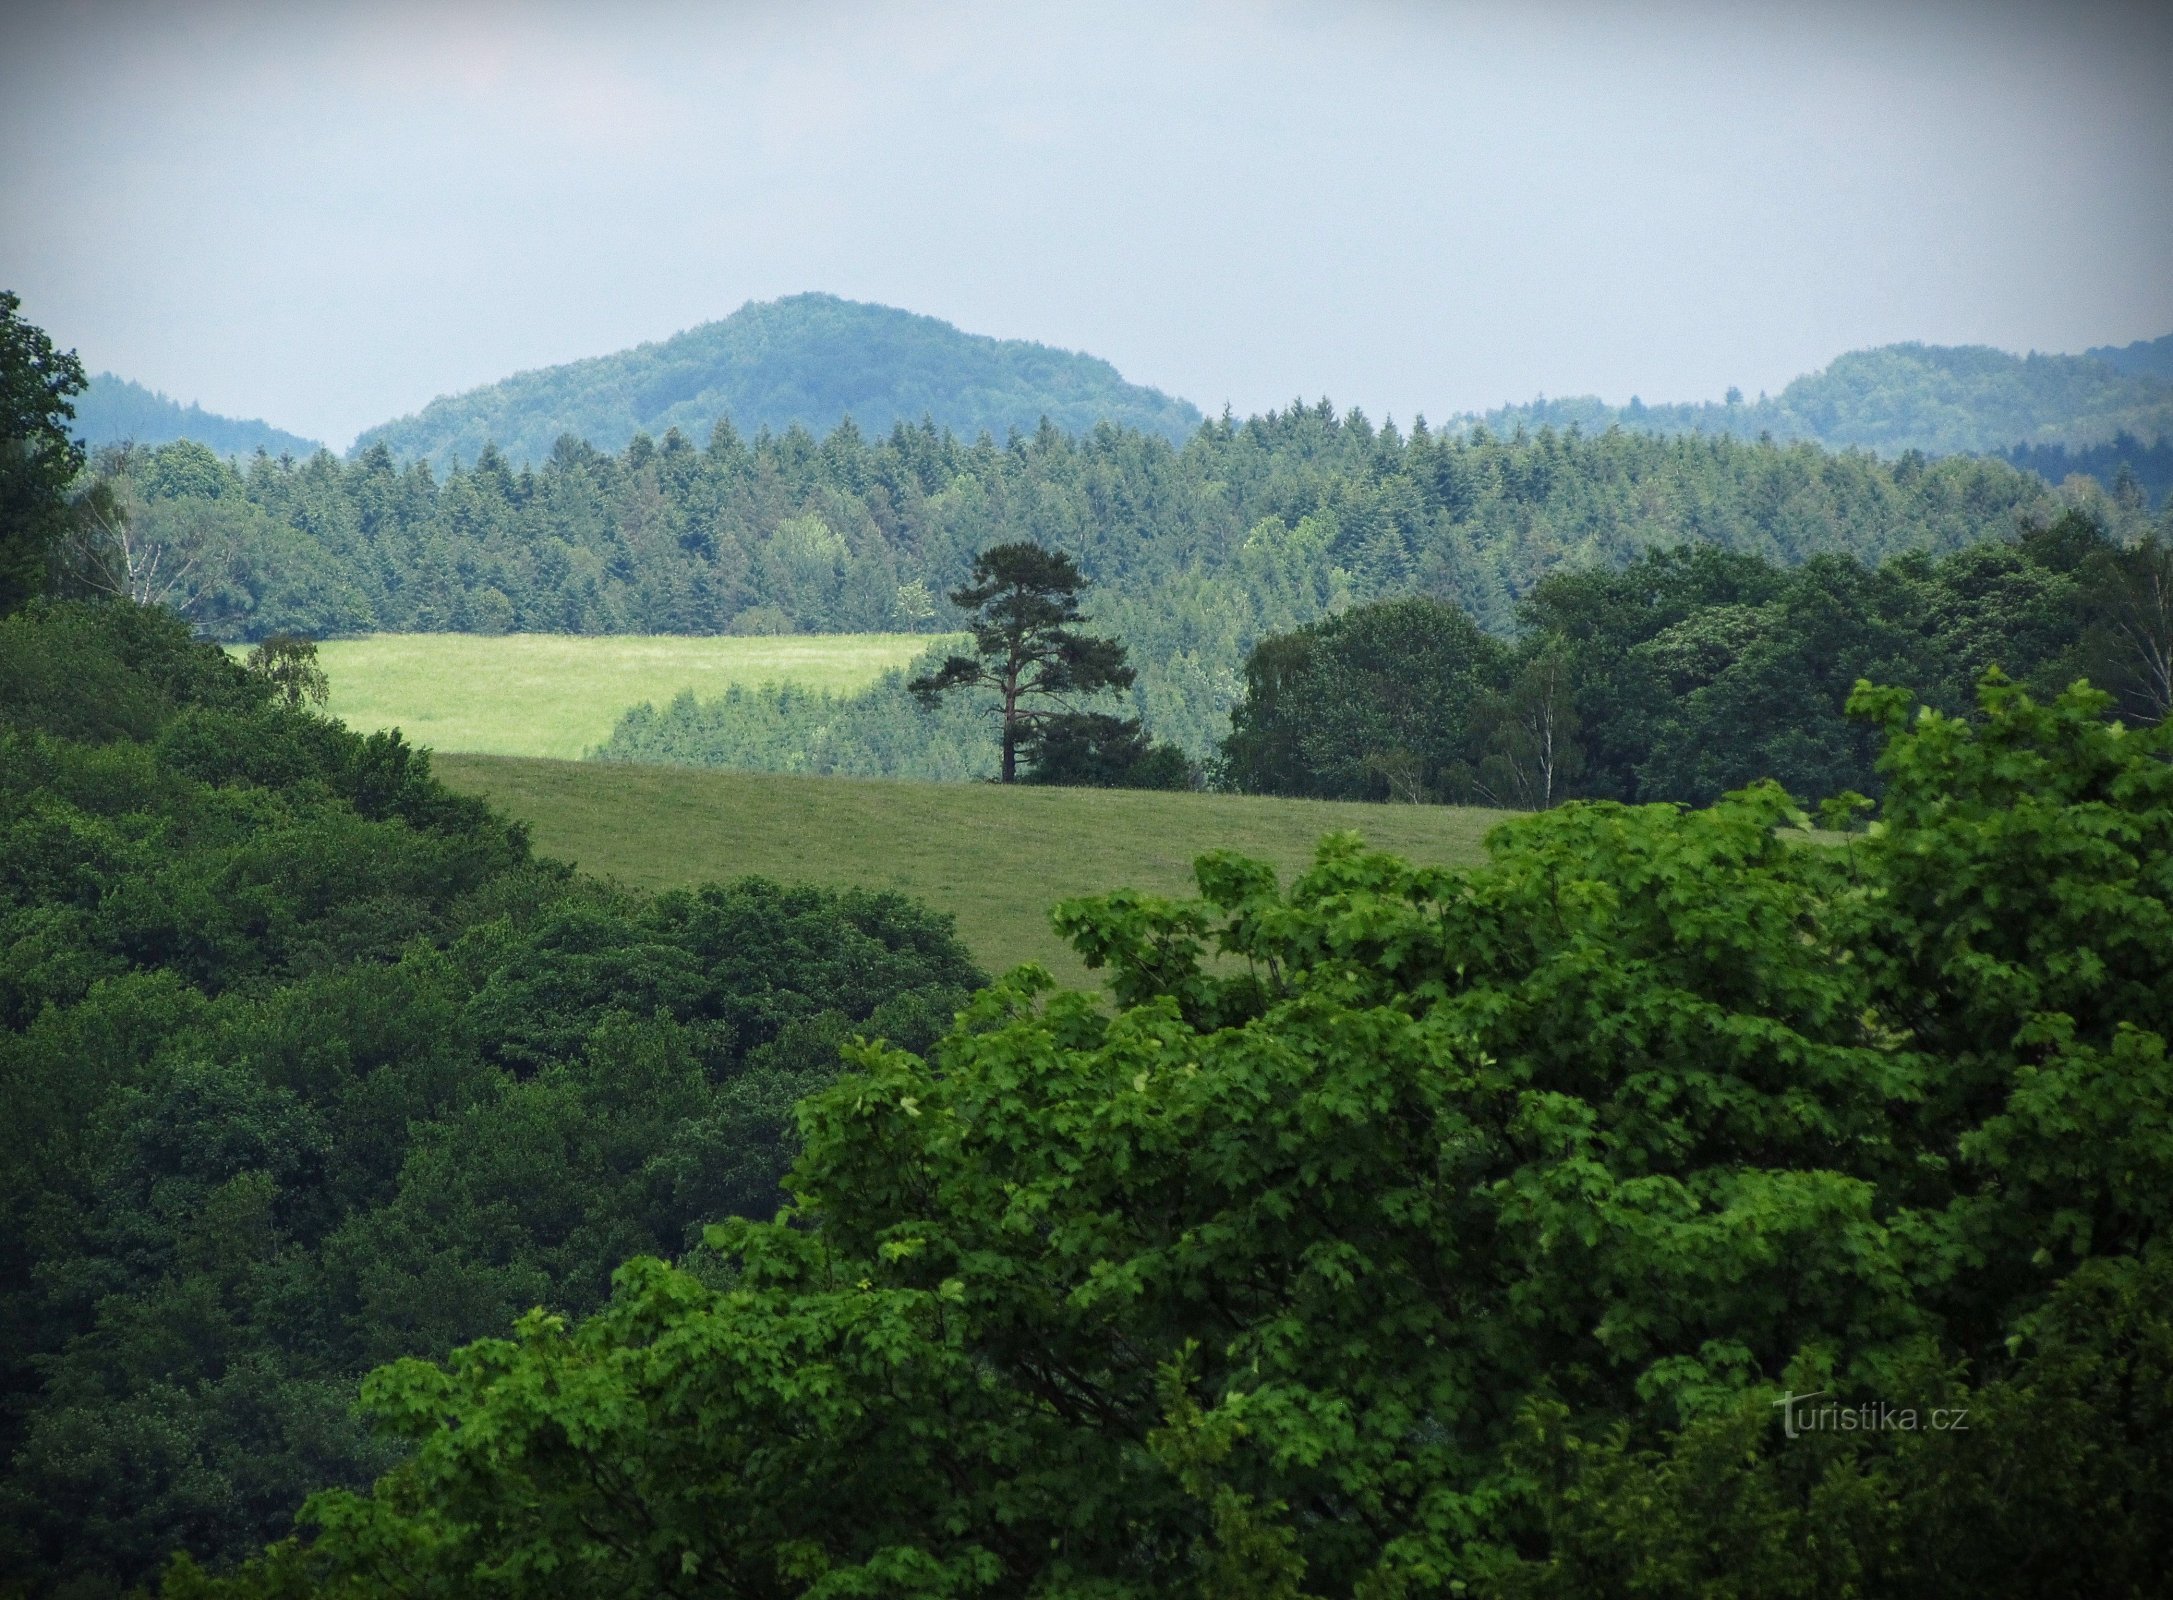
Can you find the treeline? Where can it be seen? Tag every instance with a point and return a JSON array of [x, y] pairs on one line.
[[1195, 554], [2138, 475], [1685, 674], [1935, 398], [1693, 671], [309, 1064]]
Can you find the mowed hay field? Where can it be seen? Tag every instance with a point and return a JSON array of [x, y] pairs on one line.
[[995, 858], [551, 694]]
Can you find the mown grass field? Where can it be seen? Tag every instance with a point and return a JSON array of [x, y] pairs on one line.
[[994, 858], [548, 694]]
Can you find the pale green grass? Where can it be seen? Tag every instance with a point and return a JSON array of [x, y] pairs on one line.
[[550, 694], [995, 858]]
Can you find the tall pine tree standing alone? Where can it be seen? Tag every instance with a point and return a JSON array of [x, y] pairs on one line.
[[1023, 600]]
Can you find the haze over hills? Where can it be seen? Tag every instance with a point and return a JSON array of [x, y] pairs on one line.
[[814, 359], [811, 359], [113, 410], [2149, 358], [1941, 399]]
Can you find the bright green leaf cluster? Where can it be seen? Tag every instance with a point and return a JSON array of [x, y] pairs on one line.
[[1410, 1232]]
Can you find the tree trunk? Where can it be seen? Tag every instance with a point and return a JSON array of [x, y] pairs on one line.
[[1011, 727]]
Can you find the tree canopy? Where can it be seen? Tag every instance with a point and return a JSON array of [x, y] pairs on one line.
[[1194, 554], [1409, 1231], [39, 460], [309, 1063], [1692, 671]]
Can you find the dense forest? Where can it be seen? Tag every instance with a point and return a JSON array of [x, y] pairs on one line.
[[1692, 672], [2146, 358], [1194, 554], [2125, 465], [310, 1064], [809, 360]]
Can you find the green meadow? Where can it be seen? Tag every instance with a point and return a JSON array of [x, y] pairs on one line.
[[995, 858], [549, 694]]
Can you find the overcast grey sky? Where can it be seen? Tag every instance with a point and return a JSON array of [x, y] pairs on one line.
[[326, 214]]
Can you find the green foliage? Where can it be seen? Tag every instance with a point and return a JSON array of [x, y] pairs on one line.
[[1094, 750], [289, 664], [2129, 467], [1021, 604], [1374, 704], [806, 361], [38, 458], [1693, 671], [310, 1065], [1413, 1231], [1195, 554]]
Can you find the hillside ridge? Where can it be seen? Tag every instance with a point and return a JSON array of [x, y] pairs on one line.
[[1939, 399], [117, 410], [809, 359]]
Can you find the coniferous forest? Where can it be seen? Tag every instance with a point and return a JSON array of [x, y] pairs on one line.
[[1194, 554]]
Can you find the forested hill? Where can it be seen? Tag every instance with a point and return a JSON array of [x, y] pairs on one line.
[[114, 410], [1934, 398], [1195, 553], [810, 359], [2149, 358]]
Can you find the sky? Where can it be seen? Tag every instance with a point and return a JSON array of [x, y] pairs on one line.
[[325, 215]]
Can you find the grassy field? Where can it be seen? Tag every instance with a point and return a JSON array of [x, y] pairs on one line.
[[995, 858], [548, 694]]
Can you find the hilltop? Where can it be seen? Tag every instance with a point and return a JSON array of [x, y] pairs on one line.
[[810, 359], [114, 410], [1941, 399], [2149, 358]]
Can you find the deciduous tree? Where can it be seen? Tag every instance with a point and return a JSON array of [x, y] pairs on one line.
[[38, 460]]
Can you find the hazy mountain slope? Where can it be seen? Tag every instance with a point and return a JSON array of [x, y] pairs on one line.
[[2146, 358], [812, 359], [1936, 398], [113, 409]]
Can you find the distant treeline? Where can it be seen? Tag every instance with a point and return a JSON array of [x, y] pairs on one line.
[[808, 359], [1195, 554], [1688, 673], [1936, 398], [113, 410], [1693, 672], [2128, 468]]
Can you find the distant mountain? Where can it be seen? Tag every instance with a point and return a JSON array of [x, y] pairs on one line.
[[1941, 399], [113, 410], [2146, 358], [811, 359]]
